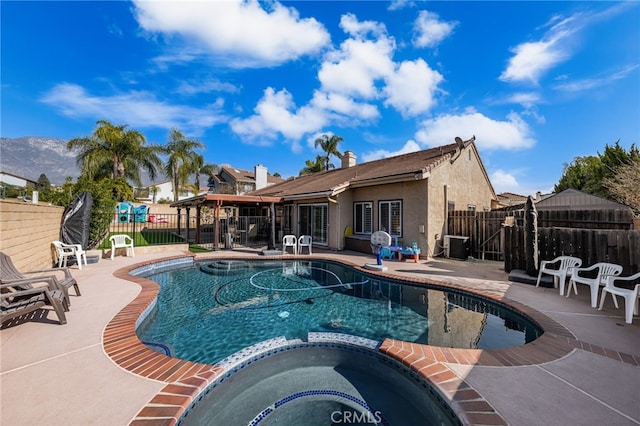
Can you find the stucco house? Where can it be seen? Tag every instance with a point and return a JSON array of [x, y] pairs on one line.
[[407, 196], [231, 180], [163, 191]]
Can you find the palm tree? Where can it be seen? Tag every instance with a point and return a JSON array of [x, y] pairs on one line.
[[313, 167], [179, 166], [329, 145], [200, 168], [115, 151], [154, 192]]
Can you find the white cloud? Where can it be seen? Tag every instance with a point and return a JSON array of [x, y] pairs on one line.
[[409, 146], [412, 87], [400, 4], [429, 31], [353, 69], [592, 83], [511, 134], [533, 59], [243, 32], [502, 179], [135, 108], [206, 86], [276, 114], [334, 102], [506, 181]]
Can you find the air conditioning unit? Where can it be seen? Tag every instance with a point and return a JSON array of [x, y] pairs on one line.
[[456, 247]]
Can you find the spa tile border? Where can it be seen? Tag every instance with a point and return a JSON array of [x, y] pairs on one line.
[[186, 380]]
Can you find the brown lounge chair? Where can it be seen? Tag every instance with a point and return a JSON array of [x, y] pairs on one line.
[[16, 303], [9, 274]]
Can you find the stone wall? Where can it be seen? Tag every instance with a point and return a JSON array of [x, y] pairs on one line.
[[26, 233]]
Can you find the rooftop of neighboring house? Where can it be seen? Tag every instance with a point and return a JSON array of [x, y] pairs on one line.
[[414, 165], [574, 199], [241, 175], [31, 181], [511, 199]]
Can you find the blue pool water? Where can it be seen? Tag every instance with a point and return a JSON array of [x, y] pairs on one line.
[[211, 310]]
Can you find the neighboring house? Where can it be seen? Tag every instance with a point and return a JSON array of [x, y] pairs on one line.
[[164, 191], [15, 180], [573, 199], [408, 196], [509, 199], [236, 181]]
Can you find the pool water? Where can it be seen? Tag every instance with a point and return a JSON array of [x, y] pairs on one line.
[[209, 311], [319, 384]]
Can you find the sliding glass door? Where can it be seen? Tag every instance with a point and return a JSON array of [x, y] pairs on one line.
[[314, 221]]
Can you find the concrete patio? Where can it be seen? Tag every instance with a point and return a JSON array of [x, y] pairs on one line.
[[60, 375]]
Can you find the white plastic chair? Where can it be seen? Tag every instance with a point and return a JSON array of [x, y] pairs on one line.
[[605, 270], [121, 241], [304, 241], [566, 264], [289, 241], [65, 251], [631, 296]]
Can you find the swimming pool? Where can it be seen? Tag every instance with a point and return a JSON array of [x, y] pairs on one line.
[[319, 383], [208, 311]]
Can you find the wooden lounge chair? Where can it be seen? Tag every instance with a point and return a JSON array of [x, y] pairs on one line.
[[16, 303], [9, 274]]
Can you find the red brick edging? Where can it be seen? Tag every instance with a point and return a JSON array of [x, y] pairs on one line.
[[186, 380]]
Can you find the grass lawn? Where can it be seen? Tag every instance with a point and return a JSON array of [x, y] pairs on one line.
[[146, 238]]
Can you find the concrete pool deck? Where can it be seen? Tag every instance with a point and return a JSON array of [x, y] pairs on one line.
[[61, 375]]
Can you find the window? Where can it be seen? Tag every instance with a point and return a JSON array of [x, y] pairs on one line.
[[314, 221], [451, 206], [390, 214], [471, 207], [363, 218]]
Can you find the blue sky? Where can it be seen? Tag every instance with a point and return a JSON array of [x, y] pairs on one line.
[[537, 83]]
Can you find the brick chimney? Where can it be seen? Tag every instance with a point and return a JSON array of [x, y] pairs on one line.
[[348, 159], [260, 175]]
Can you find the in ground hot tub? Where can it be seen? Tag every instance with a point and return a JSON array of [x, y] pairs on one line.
[[319, 383]]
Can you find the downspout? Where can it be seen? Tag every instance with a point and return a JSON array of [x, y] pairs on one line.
[[338, 227]]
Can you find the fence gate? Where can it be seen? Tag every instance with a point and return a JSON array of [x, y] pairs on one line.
[[484, 230]]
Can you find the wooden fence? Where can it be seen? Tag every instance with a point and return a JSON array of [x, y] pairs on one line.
[[560, 232], [591, 245]]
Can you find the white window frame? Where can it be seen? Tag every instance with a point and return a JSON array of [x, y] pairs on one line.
[[363, 225], [386, 223]]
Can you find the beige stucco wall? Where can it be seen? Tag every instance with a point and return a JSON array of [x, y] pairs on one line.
[[424, 208], [466, 184], [26, 233]]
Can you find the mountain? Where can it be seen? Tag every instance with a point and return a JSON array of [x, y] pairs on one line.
[[31, 156]]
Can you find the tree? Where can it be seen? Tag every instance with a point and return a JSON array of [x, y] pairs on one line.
[[44, 188], [154, 192], [589, 173], [200, 168], [329, 144], [105, 193], [313, 167], [116, 152], [179, 166], [624, 184]]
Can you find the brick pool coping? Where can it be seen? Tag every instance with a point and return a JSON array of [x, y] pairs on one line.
[[185, 380]]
